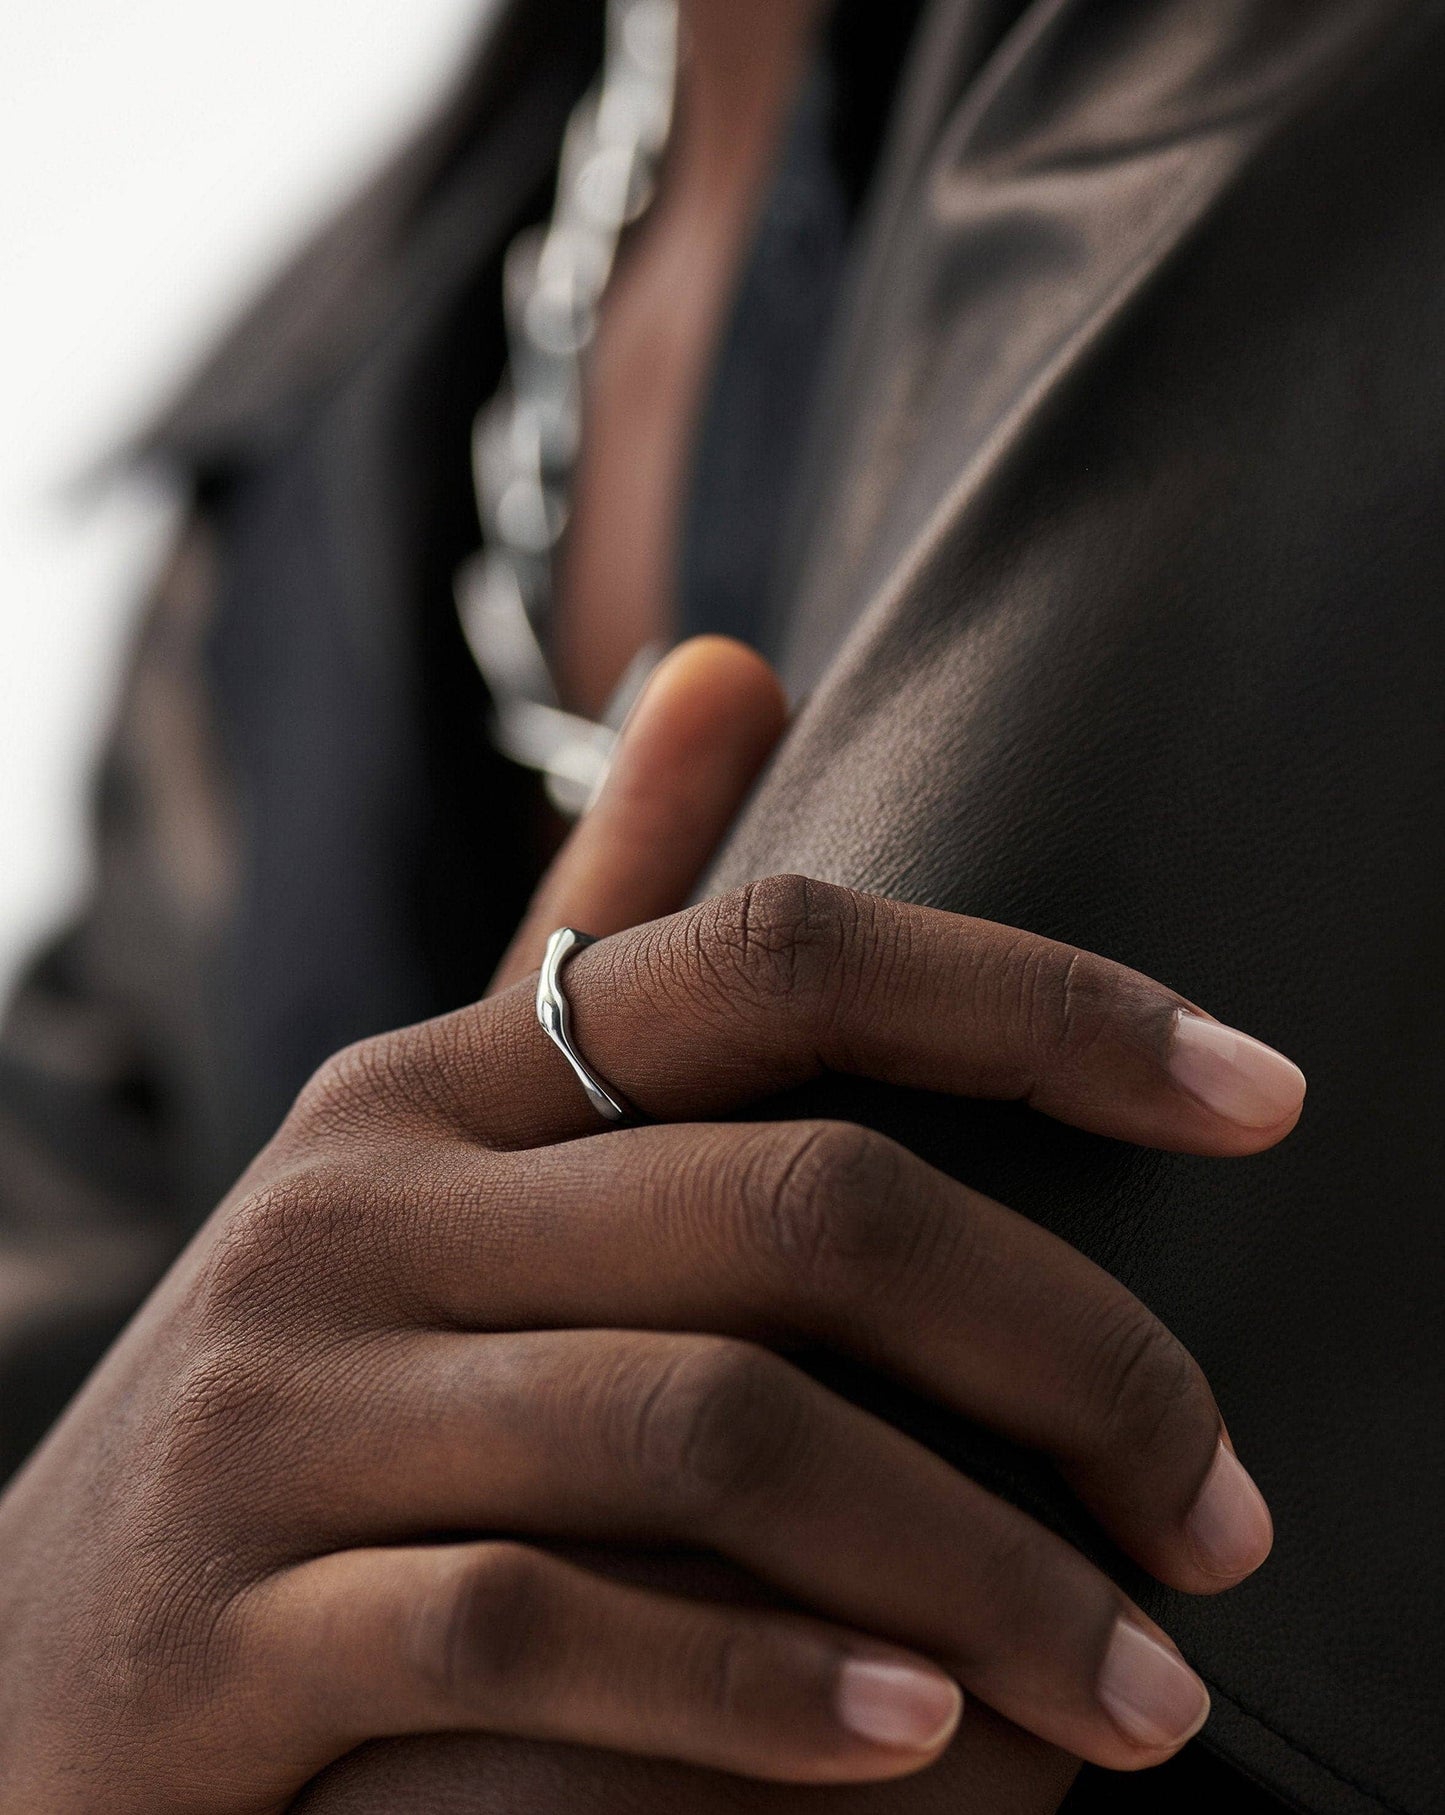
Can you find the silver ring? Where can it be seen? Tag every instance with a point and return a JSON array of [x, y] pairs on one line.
[[555, 1013]]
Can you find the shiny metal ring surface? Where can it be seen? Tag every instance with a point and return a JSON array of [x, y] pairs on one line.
[[555, 1014]]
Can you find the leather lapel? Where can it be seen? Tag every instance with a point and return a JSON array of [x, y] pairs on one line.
[[1026, 206]]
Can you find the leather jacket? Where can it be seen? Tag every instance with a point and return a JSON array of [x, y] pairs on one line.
[[1113, 606]]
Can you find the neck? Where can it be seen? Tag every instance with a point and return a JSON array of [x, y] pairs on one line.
[[741, 64]]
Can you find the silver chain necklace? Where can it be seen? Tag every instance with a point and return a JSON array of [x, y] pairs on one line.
[[526, 441]]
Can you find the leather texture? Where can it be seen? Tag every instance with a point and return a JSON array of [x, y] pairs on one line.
[[1114, 599], [1118, 607]]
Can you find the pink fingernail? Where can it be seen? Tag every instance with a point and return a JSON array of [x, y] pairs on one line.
[[1229, 1524], [898, 1705], [1239, 1078], [1149, 1692]]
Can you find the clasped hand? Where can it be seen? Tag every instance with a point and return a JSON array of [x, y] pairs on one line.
[[445, 1327]]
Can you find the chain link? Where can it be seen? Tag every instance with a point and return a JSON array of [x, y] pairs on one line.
[[527, 439]]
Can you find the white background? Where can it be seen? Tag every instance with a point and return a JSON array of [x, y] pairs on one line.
[[156, 158]]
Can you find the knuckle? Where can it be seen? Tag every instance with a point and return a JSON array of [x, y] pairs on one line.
[[1010, 1582], [1085, 992], [343, 1093], [1069, 1000], [779, 912], [230, 1430], [787, 934], [225, 1402], [268, 1249], [830, 1218], [716, 1429], [493, 1629], [324, 1235], [1149, 1397], [390, 1080], [724, 1675], [168, 1656]]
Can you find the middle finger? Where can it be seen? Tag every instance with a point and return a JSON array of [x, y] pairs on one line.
[[645, 1438], [827, 1233]]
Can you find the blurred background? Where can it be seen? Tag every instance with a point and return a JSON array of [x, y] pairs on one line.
[[158, 158]]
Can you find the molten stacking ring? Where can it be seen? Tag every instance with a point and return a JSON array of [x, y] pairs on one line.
[[555, 1013]]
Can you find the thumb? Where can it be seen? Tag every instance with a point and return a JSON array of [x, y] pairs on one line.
[[685, 759]]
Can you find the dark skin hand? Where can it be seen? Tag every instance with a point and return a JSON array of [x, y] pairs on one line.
[[445, 1329], [990, 1769]]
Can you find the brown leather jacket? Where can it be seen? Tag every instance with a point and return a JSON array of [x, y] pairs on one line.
[[1115, 604]]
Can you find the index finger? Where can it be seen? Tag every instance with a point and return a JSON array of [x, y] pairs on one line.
[[769, 987], [697, 737]]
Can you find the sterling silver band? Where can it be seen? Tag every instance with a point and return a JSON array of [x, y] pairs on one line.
[[555, 1013]]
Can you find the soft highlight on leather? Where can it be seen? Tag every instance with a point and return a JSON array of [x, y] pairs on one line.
[[1118, 610], [1114, 601]]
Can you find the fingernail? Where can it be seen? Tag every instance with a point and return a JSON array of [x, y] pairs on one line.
[[1150, 1693], [1229, 1524], [898, 1705], [1237, 1077]]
